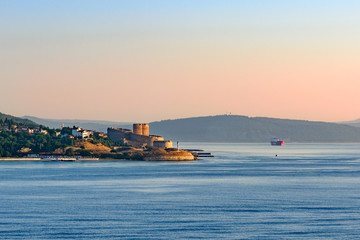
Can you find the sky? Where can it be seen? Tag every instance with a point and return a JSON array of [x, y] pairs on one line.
[[150, 60]]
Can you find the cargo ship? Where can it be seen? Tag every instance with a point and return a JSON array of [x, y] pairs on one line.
[[277, 142]]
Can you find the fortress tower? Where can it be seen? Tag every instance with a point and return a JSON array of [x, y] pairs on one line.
[[145, 129], [139, 137], [141, 129], [137, 128]]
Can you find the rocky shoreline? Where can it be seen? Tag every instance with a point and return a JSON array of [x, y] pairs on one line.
[[139, 155]]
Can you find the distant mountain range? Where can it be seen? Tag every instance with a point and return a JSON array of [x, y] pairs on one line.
[[355, 123], [231, 128], [86, 124]]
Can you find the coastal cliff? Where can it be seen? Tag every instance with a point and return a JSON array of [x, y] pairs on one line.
[[24, 140]]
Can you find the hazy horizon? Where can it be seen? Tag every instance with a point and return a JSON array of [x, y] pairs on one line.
[[158, 120], [144, 61]]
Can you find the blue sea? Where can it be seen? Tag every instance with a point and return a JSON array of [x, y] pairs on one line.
[[247, 191]]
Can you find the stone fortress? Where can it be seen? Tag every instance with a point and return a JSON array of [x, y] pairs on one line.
[[138, 137]]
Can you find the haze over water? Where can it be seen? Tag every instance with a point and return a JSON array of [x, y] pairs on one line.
[[309, 191]]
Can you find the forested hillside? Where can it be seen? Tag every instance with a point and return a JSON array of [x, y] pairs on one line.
[[8, 119]]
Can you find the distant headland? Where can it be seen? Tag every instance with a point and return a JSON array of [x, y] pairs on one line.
[[22, 139], [233, 129]]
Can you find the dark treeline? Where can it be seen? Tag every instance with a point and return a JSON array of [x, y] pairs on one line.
[[17, 144], [11, 120]]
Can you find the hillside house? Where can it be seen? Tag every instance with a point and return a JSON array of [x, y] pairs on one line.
[[79, 132]]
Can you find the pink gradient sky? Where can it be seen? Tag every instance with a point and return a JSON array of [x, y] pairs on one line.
[[143, 61]]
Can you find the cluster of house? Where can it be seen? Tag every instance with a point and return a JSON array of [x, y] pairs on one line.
[[84, 133], [15, 128], [75, 132], [79, 132]]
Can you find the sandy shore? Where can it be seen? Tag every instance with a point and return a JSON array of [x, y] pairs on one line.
[[44, 160], [22, 159], [92, 160]]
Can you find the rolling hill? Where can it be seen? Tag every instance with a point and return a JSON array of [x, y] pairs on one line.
[[232, 128], [18, 120], [355, 123], [100, 126]]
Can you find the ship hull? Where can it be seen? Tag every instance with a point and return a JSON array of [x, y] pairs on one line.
[[279, 143]]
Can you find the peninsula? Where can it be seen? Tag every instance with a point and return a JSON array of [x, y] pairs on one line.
[[22, 139]]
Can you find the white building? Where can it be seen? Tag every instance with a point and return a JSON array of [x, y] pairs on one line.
[[79, 132], [85, 133], [76, 131]]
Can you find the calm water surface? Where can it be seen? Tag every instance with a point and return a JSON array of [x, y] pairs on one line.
[[309, 191]]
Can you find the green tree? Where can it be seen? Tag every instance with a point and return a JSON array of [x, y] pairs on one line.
[[66, 130], [69, 152], [85, 153]]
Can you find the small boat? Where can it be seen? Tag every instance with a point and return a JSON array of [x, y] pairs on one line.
[[277, 142]]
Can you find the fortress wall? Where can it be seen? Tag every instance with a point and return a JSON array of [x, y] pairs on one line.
[[163, 144], [138, 140], [118, 134], [155, 138], [149, 140]]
